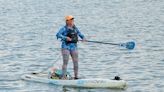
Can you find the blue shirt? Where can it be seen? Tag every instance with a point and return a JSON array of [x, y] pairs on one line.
[[62, 34]]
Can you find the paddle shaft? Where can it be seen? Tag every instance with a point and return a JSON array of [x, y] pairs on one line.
[[102, 42]]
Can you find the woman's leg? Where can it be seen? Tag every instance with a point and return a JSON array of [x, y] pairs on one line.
[[65, 54], [74, 55]]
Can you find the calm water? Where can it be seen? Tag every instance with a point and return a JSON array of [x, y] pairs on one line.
[[28, 43]]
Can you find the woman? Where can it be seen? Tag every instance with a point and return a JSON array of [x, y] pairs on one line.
[[69, 37]]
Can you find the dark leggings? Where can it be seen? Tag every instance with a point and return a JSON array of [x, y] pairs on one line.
[[74, 55]]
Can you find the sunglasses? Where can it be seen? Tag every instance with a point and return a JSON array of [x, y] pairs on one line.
[[71, 19]]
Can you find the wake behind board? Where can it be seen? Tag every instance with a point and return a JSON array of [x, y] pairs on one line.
[[87, 83]]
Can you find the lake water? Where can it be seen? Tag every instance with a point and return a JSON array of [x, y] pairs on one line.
[[28, 43]]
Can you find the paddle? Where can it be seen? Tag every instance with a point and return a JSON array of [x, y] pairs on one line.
[[129, 45]]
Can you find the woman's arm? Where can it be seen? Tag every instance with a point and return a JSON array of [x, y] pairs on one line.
[[60, 34]]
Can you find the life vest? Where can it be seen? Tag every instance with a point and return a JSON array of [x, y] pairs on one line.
[[72, 33]]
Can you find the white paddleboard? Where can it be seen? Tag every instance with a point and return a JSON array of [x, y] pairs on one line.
[[87, 83]]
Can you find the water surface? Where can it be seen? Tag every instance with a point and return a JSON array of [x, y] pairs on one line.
[[28, 42]]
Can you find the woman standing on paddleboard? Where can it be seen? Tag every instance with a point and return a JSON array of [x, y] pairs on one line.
[[69, 38]]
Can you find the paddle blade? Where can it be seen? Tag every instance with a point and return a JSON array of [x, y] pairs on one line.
[[129, 45]]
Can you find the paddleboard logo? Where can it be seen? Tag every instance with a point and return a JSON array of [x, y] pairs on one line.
[[98, 81], [81, 82]]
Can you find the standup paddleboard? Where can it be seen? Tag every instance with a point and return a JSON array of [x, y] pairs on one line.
[[87, 83]]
